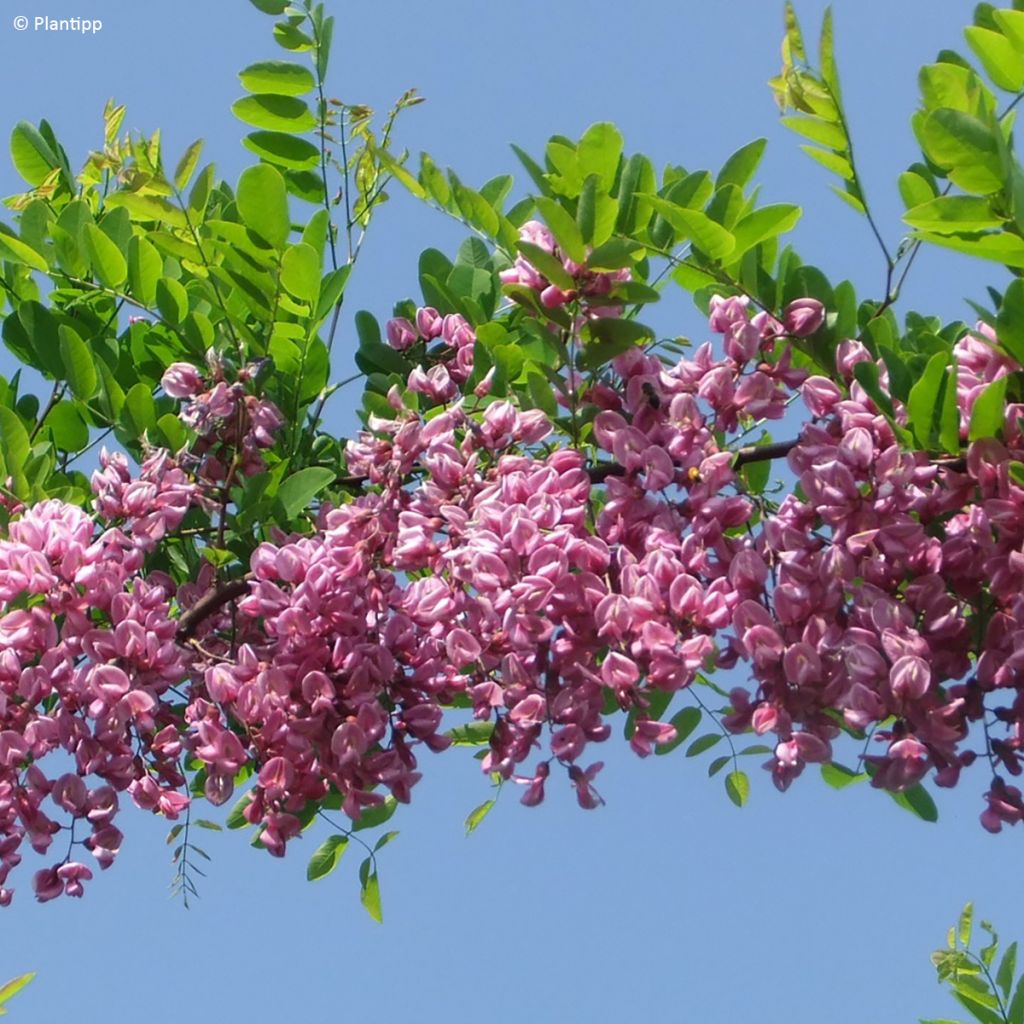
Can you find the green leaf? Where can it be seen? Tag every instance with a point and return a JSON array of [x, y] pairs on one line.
[[377, 815], [737, 785], [281, 77], [564, 228], [948, 214], [236, 818], [477, 815], [68, 429], [300, 272], [139, 413], [171, 300], [199, 195], [31, 154], [923, 404], [270, 6], [839, 776], [599, 153], [471, 734], [766, 222], [263, 204], [17, 251], [702, 743], [823, 132], [550, 266], [952, 138], [1002, 247], [299, 489], [610, 337], [107, 261], [148, 208], [867, 376], [989, 413], [187, 165], [964, 924], [1010, 320], [919, 802], [998, 56], [78, 364], [685, 722], [326, 857], [275, 113], [740, 167], [145, 268], [370, 896], [14, 986], [707, 235], [285, 150], [1007, 969], [1016, 1014]]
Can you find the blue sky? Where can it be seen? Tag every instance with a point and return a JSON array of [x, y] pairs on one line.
[[668, 902]]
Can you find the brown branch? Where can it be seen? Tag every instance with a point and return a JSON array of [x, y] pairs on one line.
[[213, 600]]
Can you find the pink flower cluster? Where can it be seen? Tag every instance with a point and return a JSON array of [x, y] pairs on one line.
[[87, 657], [591, 288], [233, 425], [491, 571]]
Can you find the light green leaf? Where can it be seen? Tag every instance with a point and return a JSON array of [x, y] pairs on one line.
[[839, 776], [1007, 969], [171, 300], [16, 251], [31, 154], [964, 924], [300, 272], [14, 986], [285, 150], [276, 113], [1001, 247], [148, 208], [477, 815], [370, 895], [737, 785], [599, 153], [740, 167], [949, 214], [998, 56], [766, 222], [326, 857], [299, 489], [707, 235], [263, 204], [107, 261], [187, 165], [471, 734], [564, 228], [281, 77]]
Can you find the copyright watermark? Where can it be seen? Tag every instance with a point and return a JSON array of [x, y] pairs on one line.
[[42, 23]]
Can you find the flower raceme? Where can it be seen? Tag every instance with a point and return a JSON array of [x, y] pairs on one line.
[[489, 568]]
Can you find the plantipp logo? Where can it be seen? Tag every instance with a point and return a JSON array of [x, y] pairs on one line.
[[43, 23]]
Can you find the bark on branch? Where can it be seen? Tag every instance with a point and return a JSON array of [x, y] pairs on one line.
[[213, 600]]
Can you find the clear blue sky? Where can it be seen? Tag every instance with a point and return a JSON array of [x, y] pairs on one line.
[[668, 903]]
